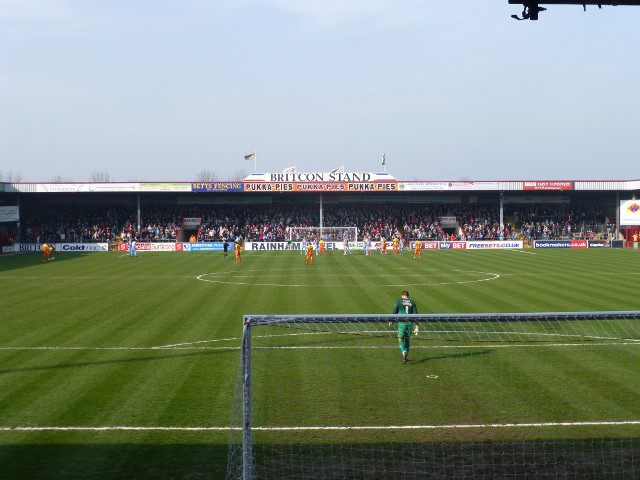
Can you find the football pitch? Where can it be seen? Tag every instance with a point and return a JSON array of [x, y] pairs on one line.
[[120, 367]]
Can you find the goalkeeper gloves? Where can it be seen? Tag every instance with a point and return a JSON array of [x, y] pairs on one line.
[[415, 330]]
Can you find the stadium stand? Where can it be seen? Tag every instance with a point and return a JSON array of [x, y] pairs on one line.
[[270, 223]]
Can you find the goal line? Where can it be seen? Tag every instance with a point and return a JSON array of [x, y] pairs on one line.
[[293, 429]]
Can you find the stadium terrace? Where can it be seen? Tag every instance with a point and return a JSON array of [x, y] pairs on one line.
[[265, 206]]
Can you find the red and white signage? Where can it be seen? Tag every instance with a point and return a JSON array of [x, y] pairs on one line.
[[547, 185]]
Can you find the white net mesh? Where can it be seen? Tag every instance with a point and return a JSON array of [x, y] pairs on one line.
[[545, 395], [328, 234]]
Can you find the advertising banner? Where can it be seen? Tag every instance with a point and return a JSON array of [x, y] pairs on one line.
[[547, 186], [28, 247], [152, 247], [205, 247], [82, 247], [269, 187], [165, 187], [551, 244], [560, 244], [599, 244], [191, 221], [424, 245], [629, 212], [452, 245], [9, 214], [444, 186], [448, 222], [217, 187], [490, 244], [279, 187], [63, 247], [264, 246], [87, 187]]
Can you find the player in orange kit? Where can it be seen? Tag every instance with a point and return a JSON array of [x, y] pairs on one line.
[[236, 247], [321, 249], [417, 250], [309, 254]]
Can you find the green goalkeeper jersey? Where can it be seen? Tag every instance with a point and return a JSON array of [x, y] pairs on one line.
[[404, 306]]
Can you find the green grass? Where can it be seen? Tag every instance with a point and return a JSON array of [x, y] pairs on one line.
[[77, 338]]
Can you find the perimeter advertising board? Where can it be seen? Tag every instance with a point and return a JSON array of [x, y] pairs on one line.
[[152, 247], [560, 244], [204, 247], [264, 246], [63, 247], [494, 244]]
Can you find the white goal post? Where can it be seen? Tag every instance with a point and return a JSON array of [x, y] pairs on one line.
[[552, 394]]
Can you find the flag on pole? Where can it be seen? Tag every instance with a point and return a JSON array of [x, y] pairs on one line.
[[384, 162], [289, 170], [338, 170], [251, 156]]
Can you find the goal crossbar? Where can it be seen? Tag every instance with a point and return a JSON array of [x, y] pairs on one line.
[[256, 320]]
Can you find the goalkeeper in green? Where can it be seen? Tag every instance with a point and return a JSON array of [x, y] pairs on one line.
[[404, 306]]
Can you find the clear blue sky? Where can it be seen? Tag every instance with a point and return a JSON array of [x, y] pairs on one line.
[[161, 90]]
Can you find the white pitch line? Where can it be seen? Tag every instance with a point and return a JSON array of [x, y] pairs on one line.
[[354, 427], [115, 428], [119, 348], [199, 341], [231, 279]]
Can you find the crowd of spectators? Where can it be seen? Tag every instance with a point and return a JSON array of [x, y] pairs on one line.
[[551, 222], [273, 223], [73, 224]]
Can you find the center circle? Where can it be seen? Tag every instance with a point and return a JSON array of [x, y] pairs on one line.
[[293, 279]]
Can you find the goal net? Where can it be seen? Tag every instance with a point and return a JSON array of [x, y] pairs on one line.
[[328, 234], [520, 395]]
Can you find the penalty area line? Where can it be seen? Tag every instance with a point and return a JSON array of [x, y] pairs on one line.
[[329, 428]]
